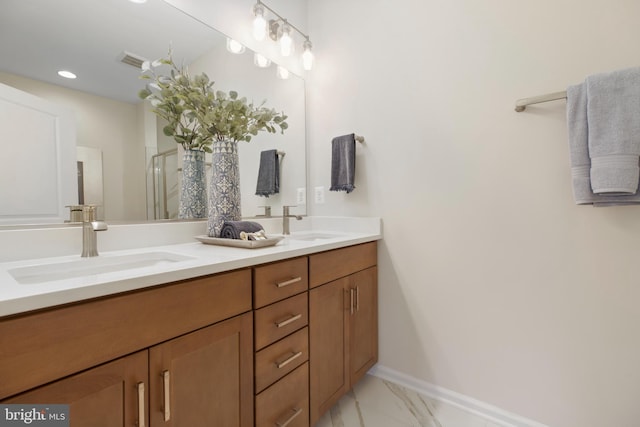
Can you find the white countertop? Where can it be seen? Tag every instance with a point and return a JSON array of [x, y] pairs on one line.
[[203, 259]]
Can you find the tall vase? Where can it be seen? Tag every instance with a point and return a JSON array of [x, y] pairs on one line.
[[193, 190], [224, 188]]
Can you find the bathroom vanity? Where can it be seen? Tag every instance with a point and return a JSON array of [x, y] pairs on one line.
[[273, 337]]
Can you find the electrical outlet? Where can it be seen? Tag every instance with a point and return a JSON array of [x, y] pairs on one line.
[[319, 194], [301, 196]]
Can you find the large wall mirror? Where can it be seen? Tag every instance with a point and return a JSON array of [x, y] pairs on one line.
[[114, 130]]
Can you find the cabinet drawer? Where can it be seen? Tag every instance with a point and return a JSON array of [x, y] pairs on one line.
[[280, 319], [331, 265], [286, 402], [280, 358], [280, 280]]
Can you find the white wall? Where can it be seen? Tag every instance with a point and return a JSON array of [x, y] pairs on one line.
[[492, 282]]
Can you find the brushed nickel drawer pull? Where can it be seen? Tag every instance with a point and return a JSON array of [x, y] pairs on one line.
[[285, 423], [357, 298], [288, 321], [140, 387], [290, 359], [351, 294], [289, 282], [166, 382]]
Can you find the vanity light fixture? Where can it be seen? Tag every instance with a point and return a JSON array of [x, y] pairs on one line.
[[235, 46], [259, 22], [261, 60], [281, 31], [282, 73], [66, 74]]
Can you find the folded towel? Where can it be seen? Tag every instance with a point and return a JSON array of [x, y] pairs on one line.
[[578, 144], [233, 229], [613, 108], [343, 163], [268, 174]]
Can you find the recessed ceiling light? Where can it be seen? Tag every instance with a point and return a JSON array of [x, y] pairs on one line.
[[66, 74]]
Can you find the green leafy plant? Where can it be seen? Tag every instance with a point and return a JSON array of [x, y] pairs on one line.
[[196, 115]]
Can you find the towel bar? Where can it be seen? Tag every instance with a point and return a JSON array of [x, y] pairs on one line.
[[359, 138], [521, 104]]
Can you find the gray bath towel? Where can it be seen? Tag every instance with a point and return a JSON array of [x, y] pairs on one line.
[[232, 229], [578, 129], [343, 163], [268, 174], [613, 109]]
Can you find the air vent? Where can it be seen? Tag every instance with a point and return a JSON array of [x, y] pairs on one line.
[[131, 59]]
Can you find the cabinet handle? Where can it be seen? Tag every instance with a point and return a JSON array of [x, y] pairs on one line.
[[357, 299], [140, 387], [288, 321], [288, 360], [352, 296], [285, 423], [289, 282], [166, 386]]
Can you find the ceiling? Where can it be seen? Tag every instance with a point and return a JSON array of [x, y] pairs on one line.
[[40, 37]]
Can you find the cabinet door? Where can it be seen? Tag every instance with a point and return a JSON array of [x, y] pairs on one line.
[[204, 378], [111, 395], [328, 346], [363, 332]]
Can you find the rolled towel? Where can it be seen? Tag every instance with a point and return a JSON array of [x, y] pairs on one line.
[[232, 229], [343, 163]]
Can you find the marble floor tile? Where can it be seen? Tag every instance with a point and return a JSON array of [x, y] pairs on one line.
[[378, 403]]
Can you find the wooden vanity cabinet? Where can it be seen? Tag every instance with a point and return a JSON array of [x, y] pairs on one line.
[[343, 322], [111, 395], [179, 354]]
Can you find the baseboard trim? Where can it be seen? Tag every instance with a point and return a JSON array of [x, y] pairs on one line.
[[466, 403]]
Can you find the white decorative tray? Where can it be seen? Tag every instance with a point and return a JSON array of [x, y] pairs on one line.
[[250, 244]]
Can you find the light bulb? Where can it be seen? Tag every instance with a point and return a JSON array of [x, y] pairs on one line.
[[282, 73], [66, 74], [307, 56], [234, 46], [286, 42], [259, 23], [261, 61]]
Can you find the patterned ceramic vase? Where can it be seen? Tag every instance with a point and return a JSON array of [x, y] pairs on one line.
[[193, 191], [224, 188]]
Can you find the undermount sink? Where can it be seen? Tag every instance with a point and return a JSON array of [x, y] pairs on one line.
[[91, 266], [312, 236]]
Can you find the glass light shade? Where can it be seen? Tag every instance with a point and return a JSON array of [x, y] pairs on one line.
[[234, 46], [261, 61], [259, 23], [307, 57], [282, 73], [286, 42]]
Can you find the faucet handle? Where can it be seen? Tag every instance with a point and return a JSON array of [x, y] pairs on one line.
[[267, 211], [89, 213]]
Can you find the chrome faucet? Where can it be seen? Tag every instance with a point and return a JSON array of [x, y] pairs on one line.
[[89, 228], [285, 219]]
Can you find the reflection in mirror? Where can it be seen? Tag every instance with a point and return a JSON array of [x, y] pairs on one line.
[[140, 165]]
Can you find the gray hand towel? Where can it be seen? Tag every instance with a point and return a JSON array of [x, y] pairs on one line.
[[343, 163], [232, 229], [268, 174], [613, 108]]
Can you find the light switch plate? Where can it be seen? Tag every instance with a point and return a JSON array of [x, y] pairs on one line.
[[301, 196], [319, 195]]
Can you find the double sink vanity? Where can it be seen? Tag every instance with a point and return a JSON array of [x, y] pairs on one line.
[[176, 332]]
